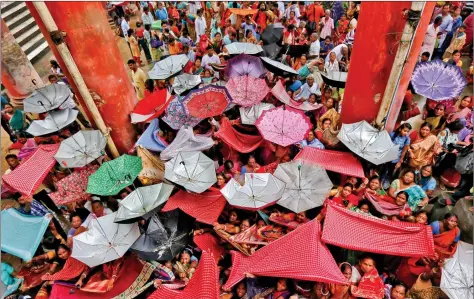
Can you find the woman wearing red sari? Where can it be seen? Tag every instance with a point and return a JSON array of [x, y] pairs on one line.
[[371, 285], [446, 234], [341, 30]]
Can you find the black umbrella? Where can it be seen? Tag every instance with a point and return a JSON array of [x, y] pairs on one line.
[[278, 68], [335, 79], [297, 50], [272, 34], [271, 50]]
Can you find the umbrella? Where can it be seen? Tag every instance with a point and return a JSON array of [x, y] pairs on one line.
[[184, 82], [260, 190], [244, 64], [369, 143], [54, 121], [151, 106], [73, 187], [456, 277], [47, 98], [206, 102], [176, 116], [335, 79], [247, 90], [249, 115], [143, 202], [104, 241], [278, 68], [306, 185], [192, 170], [437, 80], [297, 50], [243, 48], [283, 125], [243, 12], [81, 149], [186, 141], [114, 175], [271, 51], [168, 67], [272, 34]]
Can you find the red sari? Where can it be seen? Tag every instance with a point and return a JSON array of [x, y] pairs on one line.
[[370, 286], [444, 243], [342, 28]]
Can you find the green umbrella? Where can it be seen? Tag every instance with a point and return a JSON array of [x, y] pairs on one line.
[[114, 175]]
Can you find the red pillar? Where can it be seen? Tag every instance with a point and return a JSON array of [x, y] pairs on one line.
[[93, 47]]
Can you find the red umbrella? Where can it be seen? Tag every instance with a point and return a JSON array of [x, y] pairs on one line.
[[206, 102], [73, 187], [151, 106], [247, 90]]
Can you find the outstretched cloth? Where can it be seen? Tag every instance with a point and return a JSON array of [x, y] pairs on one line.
[[72, 269], [336, 161], [384, 207], [283, 258], [27, 177], [356, 231], [150, 139], [73, 187], [210, 243], [280, 93], [242, 143], [205, 207]]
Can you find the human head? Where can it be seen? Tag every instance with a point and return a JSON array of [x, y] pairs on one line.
[[346, 270], [456, 55], [398, 291], [12, 161], [301, 217], [97, 208], [462, 28], [76, 220], [292, 14], [345, 51], [450, 221], [327, 13], [248, 33], [346, 190], [63, 251], [303, 60], [465, 102], [220, 179], [425, 56], [52, 79], [426, 171], [241, 290], [401, 199], [332, 56], [185, 257], [403, 129], [364, 206], [129, 32], [145, 9], [228, 165], [455, 126], [8, 108], [445, 9], [407, 176], [329, 103], [327, 40], [374, 183], [245, 224], [313, 37], [425, 129], [251, 161], [150, 85], [132, 64], [217, 36], [197, 62], [210, 50], [310, 136], [233, 217], [312, 98], [54, 64], [437, 22], [421, 217], [160, 5], [366, 263], [281, 285]]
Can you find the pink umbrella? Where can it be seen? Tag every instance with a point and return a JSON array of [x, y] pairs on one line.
[[73, 187], [283, 125], [247, 90]]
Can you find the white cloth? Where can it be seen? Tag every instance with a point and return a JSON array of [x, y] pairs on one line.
[[445, 27], [294, 8], [281, 7], [353, 23], [430, 40], [206, 60], [92, 216], [200, 27], [332, 67], [338, 50], [328, 27], [314, 48], [147, 18], [193, 7], [306, 91], [125, 26]]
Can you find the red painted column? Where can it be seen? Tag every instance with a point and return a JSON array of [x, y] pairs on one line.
[[93, 47]]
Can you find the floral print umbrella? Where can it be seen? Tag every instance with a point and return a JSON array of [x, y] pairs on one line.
[[73, 187], [206, 102], [176, 116], [247, 90]]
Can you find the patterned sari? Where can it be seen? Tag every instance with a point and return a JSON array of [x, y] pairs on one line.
[[370, 286], [424, 150], [333, 115]]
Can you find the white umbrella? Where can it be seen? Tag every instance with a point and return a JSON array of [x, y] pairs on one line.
[[143, 202], [249, 115], [168, 67], [192, 170], [104, 241], [243, 48], [306, 185], [47, 98], [456, 277], [259, 190], [54, 121], [81, 149], [368, 142], [186, 141], [184, 82]]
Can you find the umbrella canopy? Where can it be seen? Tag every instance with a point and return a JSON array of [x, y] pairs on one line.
[[335, 79], [114, 175], [168, 67], [206, 102], [243, 65], [278, 68], [306, 185], [260, 190], [247, 90], [297, 50], [271, 51], [81, 148], [272, 34], [54, 121], [369, 143], [47, 98], [249, 115], [438, 80], [104, 241], [192, 170], [243, 48], [186, 141], [283, 125], [143, 202], [456, 277], [151, 106], [177, 117], [73, 187], [184, 82]]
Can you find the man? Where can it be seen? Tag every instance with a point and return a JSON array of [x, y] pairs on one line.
[[161, 13], [147, 17], [35, 207], [310, 141], [189, 53], [314, 13], [200, 25], [125, 25], [12, 161], [138, 77], [209, 59], [327, 24], [174, 46], [315, 46], [432, 33], [98, 210], [425, 56], [140, 33], [444, 28], [230, 38], [340, 50]]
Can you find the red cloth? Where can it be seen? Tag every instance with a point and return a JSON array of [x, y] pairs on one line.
[[73, 187], [283, 258], [356, 231], [242, 143], [354, 200], [203, 285], [205, 207], [444, 243], [72, 269], [210, 243], [27, 177], [336, 161], [370, 286]]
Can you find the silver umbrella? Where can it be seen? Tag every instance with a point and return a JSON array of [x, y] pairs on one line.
[[168, 67], [184, 82], [457, 274], [54, 121], [47, 98], [249, 115], [81, 149], [243, 48]]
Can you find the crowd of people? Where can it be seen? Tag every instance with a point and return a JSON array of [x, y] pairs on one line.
[[420, 187]]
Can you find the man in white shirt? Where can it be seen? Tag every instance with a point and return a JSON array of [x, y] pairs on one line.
[[147, 16], [327, 24], [98, 210], [125, 26], [209, 59], [315, 46], [338, 50], [200, 23]]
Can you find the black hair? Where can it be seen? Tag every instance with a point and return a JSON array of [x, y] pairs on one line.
[[399, 284], [138, 24], [405, 171], [145, 9], [455, 52], [438, 20], [455, 126], [366, 255], [147, 27], [52, 76], [97, 201], [74, 215], [344, 266], [400, 128], [130, 32], [427, 124], [65, 247], [150, 85], [54, 63], [348, 185], [449, 215], [374, 177], [209, 48], [131, 61], [247, 32], [404, 193], [426, 54], [9, 156], [363, 202]]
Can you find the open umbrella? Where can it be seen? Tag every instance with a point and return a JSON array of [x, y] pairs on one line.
[[283, 125], [306, 185], [47, 98], [54, 121], [184, 82], [192, 170], [369, 143], [271, 51], [457, 274], [151, 106], [260, 190], [114, 175], [186, 141], [244, 64], [278, 68], [297, 50], [247, 90], [206, 102], [438, 80], [81, 148], [249, 115], [177, 117], [104, 241], [168, 67], [73, 187], [272, 34], [335, 79], [243, 48]]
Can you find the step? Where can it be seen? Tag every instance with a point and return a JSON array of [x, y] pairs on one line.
[[6, 5], [25, 26], [10, 12], [27, 35], [32, 44], [19, 19], [36, 53]]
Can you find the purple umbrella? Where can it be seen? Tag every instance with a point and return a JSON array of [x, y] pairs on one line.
[[437, 80], [243, 65], [176, 116]]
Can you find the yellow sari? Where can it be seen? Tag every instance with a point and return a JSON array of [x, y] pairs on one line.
[[424, 150], [333, 115]]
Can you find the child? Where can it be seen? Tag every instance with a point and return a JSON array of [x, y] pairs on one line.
[[458, 41]]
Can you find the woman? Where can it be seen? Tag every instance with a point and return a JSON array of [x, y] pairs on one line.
[[251, 167], [446, 234], [217, 42], [327, 135], [328, 111], [279, 292], [363, 207], [374, 186], [406, 182], [457, 43], [463, 111], [371, 285], [421, 217], [155, 45], [346, 198], [221, 181], [455, 59], [426, 180], [424, 147], [397, 291], [150, 87], [249, 38], [239, 292], [197, 69], [16, 118], [341, 291], [76, 222], [303, 93], [341, 30], [134, 46], [436, 116], [186, 266]]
